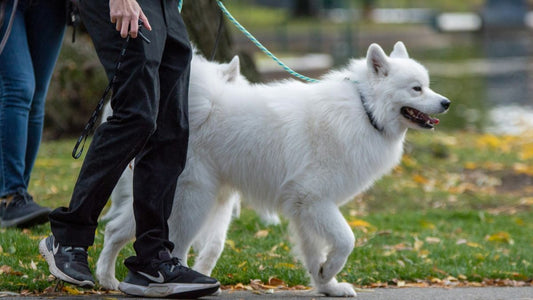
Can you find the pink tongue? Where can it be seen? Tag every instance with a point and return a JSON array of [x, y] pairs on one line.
[[434, 120]]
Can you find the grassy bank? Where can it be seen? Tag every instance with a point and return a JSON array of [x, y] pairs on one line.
[[457, 209]]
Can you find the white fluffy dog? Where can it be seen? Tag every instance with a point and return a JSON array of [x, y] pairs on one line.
[[299, 149]]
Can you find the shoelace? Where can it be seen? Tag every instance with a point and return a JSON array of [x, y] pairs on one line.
[[80, 255], [174, 263], [21, 198]]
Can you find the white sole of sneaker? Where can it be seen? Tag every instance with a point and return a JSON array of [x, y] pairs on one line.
[[169, 290], [54, 270]]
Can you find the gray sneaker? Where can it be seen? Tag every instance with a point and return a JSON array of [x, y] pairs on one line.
[[168, 279], [20, 210], [67, 263]]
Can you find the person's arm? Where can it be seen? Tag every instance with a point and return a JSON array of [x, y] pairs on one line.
[[126, 14]]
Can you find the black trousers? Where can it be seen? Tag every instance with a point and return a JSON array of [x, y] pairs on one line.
[[149, 123]]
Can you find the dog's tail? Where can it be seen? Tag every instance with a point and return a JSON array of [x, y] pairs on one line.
[[206, 85], [202, 89]]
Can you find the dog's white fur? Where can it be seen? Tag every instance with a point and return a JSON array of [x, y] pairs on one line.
[[298, 149]]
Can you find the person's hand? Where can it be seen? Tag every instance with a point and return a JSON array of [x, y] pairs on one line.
[[126, 14]]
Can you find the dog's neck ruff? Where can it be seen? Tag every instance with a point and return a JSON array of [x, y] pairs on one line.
[[369, 114]]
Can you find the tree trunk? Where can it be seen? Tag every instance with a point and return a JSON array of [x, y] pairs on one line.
[[305, 8], [202, 18]]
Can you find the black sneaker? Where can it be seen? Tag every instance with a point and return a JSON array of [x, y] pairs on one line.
[[171, 280], [67, 263], [20, 210]]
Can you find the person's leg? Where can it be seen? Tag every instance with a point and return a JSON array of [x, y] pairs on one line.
[[153, 272], [45, 26], [117, 141], [17, 85], [162, 160]]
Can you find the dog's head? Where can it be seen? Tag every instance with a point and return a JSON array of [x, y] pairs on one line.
[[399, 92]]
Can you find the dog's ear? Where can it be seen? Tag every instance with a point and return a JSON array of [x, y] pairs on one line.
[[377, 60], [233, 69], [399, 51]]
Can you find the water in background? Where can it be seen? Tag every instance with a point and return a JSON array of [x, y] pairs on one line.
[[487, 72]]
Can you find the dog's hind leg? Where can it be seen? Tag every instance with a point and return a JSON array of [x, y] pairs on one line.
[[195, 197], [325, 241], [118, 233], [122, 194], [209, 243]]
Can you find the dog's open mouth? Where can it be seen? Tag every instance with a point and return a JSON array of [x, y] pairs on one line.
[[421, 119]]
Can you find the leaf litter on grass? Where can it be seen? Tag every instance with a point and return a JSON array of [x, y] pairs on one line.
[[482, 173]]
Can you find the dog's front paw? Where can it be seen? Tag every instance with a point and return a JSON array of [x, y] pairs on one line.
[[336, 289], [108, 283]]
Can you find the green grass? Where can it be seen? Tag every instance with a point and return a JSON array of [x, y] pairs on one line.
[[458, 205]]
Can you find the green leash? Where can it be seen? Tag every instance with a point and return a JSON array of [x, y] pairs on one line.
[[256, 42], [261, 47]]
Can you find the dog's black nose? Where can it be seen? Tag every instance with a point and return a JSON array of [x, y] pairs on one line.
[[445, 103]]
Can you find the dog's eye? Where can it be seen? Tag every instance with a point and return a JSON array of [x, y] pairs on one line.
[[417, 88]]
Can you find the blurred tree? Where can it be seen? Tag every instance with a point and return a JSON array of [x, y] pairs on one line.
[[203, 18], [368, 6], [306, 8]]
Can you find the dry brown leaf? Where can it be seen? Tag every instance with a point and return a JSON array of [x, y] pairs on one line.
[[273, 281], [5, 269], [261, 234], [432, 240]]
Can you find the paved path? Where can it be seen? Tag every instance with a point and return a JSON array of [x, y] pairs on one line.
[[484, 293]]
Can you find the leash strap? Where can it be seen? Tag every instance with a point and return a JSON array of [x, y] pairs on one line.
[[219, 34], [260, 46], [94, 117]]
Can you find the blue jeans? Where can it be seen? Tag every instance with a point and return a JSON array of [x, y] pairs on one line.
[[26, 66]]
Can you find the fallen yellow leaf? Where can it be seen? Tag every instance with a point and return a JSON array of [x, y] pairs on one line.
[[526, 152], [470, 165], [420, 179], [285, 265], [71, 291], [473, 245], [231, 244], [500, 237], [427, 225], [408, 161], [523, 168], [359, 223]]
